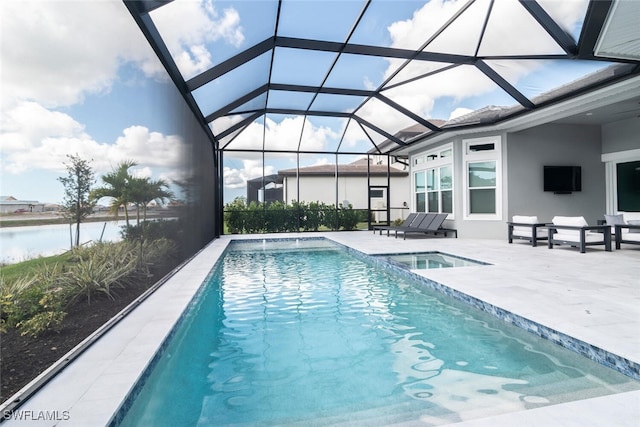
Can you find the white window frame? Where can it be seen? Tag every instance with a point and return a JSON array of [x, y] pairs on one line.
[[469, 156], [429, 160], [611, 161]]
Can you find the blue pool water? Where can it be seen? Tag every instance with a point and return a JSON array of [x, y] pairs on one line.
[[306, 333], [429, 260]]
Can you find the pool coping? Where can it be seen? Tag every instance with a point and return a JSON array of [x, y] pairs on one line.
[[598, 355], [191, 271]]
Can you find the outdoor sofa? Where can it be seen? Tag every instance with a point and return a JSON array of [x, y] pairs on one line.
[[527, 228], [626, 227], [574, 231]]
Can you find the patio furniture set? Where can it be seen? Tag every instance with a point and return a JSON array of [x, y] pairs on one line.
[[574, 230]]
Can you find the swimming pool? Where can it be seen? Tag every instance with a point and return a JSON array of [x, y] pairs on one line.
[[429, 260], [270, 341]]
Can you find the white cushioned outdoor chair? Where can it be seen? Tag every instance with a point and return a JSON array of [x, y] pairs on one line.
[[526, 228], [626, 227], [574, 231]]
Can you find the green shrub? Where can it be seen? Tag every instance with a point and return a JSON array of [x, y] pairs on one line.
[[33, 303], [100, 268], [153, 230], [277, 217], [313, 215], [254, 218], [41, 322], [349, 217], [330, 217], [234, 215], [155, 253]]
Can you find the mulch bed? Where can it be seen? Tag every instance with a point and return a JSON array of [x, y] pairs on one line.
[[23, 358]]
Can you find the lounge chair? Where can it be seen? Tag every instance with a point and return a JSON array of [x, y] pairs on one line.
[[574, 231], [429, 227], [626, 226], [406, 223], [419, 223], [526, 228]]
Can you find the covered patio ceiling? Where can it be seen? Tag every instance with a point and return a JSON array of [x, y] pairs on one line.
[[358, 76]]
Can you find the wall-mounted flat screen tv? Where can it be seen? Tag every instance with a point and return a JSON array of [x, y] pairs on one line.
[[562, 179]]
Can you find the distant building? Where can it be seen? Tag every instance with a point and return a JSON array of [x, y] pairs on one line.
[[9, 204], [338, 184]]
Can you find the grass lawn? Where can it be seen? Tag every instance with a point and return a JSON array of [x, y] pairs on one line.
[[13, 271]]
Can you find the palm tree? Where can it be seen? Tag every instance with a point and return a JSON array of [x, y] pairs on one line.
[[117, 183], [143, 191]]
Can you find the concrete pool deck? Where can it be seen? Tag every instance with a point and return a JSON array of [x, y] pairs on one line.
[[593, 297]]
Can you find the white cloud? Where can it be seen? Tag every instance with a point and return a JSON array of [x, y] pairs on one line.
[[138, 141], [34, 137], [57, 52], [413, 33], [187, 26], [464, 82], [144, 172], [237, 178], [568, 13], [284, 135], [27, 125], [459, 112]]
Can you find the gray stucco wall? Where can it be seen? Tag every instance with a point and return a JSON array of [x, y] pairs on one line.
[[621, 136], [554, 144], [476, 229]]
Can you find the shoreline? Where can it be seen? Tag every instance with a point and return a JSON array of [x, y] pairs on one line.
[[52, 218]]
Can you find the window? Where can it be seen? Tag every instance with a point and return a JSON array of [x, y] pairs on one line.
[[483, 189], [378, 194], [622, 172], [420, 191], [433, 183], [628, 186]]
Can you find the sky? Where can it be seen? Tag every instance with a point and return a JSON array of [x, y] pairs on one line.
[[76, 77]]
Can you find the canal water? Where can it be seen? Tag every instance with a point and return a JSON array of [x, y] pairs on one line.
[[19, 244]]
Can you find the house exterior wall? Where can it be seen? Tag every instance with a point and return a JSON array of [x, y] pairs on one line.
[[619, 136], [620, 145], [21, 206], [351, 188], [523, 155], [555, 144], [469, 227]]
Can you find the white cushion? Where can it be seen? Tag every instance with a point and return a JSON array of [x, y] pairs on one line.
[[631, 236], [526, 231], [573, 221], [630, 216], [574, 236], [525, 219], [614, 219]]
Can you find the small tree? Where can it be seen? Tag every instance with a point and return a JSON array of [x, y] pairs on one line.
[[115, 186], [77, 186]]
